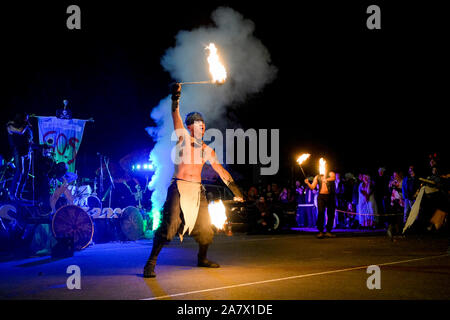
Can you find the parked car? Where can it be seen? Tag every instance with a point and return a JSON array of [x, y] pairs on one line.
[[243, 216], [237, 212]]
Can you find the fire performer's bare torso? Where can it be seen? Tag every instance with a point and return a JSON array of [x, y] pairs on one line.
[[323, 184], [190, 171], [194, 153]]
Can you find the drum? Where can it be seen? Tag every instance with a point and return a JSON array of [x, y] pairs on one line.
[[73, 222], [89, 203], [80, 194], [7, 212], [131, 223]]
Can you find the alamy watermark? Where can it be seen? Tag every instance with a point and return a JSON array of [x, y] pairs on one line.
[[236, 148], [374, 281], [74, 280]]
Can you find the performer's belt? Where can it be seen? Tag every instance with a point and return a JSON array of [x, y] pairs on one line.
[[174, 180]]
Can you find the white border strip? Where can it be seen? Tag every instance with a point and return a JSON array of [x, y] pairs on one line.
[[289, 278]]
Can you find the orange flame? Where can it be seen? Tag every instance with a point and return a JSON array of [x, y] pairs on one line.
[[217, 213], [322, 164], [216, 68], [303, 158]]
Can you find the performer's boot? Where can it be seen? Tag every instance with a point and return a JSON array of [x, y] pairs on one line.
[[202, 261], [149, 268]]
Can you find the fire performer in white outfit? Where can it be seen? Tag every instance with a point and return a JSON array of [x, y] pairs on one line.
[[186, 207]]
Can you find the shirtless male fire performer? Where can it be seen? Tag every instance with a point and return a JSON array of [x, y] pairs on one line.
[[186, 207], [325, 201]]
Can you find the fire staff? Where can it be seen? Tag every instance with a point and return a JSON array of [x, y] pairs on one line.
[[186, 207]]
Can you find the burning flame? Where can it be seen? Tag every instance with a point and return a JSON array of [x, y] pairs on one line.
[[303, 158], [322, 163], [217, 213], [216, 68]]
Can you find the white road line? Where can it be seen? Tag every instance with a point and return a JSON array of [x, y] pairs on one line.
[[290, 278]]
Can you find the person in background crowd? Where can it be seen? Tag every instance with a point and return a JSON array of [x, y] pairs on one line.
[[276, 191], [435, 176], [20, 139], [264, 222], [299, 192], [340, 200], [283, 197], [349, 183], [252, 194], [395, 187], [367, 206], [269, 193], [311, 205], [382, 194], [351, 221], [290, 196], [300, 199], [355, 193], [410, 188]]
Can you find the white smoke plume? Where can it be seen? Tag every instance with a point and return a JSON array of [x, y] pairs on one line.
[[249, 69]]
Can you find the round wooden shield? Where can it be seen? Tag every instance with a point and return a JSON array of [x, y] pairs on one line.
[[73, 222], [131, 223]]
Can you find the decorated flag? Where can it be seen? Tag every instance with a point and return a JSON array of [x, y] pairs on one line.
[[63, 136]]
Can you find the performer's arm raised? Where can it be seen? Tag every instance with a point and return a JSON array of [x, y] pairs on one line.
[[314, 184], [223, 174], [177, 121]]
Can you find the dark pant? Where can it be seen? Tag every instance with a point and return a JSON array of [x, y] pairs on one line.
[[341, 205], [22, 164], [173, 221], [325, 201]]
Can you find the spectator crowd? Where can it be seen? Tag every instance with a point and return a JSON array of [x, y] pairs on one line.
[[380, 200]]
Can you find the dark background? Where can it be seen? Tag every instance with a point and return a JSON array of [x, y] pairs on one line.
[[361, 98]]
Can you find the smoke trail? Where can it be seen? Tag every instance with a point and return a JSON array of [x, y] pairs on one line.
[[248, 67]]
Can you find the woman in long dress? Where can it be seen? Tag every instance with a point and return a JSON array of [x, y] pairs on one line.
[[366, 205]]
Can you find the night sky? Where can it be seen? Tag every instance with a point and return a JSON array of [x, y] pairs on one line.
[[360, 98]]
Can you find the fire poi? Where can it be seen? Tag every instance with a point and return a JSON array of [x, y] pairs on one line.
[[217, 212]]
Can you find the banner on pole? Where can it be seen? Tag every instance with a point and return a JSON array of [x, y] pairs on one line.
[[63, 136]]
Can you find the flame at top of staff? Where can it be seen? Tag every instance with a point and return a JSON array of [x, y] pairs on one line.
[[322, 164], [303, 158], [216, 68]]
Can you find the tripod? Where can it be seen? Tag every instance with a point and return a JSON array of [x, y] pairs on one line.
[[112, 186]]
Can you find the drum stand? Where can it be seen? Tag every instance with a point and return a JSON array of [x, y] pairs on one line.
[[112, 186]]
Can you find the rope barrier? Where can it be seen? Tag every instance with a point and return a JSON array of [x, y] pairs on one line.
[[356, 213], [371, 214]]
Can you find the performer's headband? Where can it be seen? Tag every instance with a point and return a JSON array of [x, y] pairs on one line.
[[192, 117]]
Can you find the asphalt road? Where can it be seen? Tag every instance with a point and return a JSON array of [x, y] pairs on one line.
[[253, 267]]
